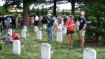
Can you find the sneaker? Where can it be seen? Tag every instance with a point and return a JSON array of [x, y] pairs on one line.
[[71, 46]]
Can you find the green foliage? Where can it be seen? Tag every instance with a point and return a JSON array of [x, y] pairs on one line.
[[65, 12], [2, 10], [39, 12], [17, 3], [95, 12]]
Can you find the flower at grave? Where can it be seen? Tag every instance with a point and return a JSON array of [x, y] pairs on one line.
[[1, 42], [40, 28]]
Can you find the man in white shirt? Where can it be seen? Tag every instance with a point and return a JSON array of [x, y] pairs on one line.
[[36, 20]]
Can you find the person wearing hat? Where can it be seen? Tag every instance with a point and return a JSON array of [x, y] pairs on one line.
[[50, 27], [6, 39], [82, 28], [70, 30]]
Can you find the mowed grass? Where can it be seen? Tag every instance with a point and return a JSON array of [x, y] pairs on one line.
[[32, 47]]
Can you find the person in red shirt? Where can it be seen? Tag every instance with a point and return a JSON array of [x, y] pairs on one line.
[[70, 30], [15, 36]]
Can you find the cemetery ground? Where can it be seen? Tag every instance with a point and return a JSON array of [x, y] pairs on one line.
[[32, 47]]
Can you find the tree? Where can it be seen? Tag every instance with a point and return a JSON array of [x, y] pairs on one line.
[[95, 11], [73, 2], [54, 9], [26, 3], [2, 10]]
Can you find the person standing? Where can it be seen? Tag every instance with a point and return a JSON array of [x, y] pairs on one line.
[[82, 28], [50, 28], [70, 30], [8, 20], [1, 28], [36, 20]]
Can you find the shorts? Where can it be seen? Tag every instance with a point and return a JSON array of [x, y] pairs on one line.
[[81, 34], [70, 32]]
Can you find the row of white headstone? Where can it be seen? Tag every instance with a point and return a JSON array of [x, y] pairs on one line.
[[46, 48], [60, 26], [88, 53], [59, 36]]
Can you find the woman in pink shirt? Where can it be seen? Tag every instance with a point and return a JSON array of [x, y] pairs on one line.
[[70, 30]]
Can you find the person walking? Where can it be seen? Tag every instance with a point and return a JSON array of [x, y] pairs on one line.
[[70, 30]]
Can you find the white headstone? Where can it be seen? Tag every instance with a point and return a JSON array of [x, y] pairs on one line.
[[39, 35], [44, 26], [89, 53], [23, 33], [45, 51], [10, 31], [25, 28], [60, 26], [16, 47], [64, 30], [59, 37], [36, 28]]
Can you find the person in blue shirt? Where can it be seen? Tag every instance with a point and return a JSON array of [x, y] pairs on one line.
[[6, 39], [82, 28], [8, 20]]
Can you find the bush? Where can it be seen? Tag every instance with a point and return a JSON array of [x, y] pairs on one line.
[[96, 30]]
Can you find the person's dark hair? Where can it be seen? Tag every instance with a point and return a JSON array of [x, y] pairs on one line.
[[8, 34]]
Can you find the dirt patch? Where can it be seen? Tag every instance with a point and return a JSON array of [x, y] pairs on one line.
[[94, 43]]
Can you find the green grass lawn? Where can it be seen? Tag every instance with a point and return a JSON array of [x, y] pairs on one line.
[[32, 49]]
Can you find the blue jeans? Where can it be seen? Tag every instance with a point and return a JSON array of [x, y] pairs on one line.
[[50, 33]]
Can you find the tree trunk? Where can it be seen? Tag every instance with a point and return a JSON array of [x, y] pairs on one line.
[[25, 13], [54, 8], [73, 7]]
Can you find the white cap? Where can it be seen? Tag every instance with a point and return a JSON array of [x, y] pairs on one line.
[[9, 33], [48, 14]]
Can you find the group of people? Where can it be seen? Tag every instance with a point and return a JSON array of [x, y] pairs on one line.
[[52, 24], [82, 28], [9, 39], [8, 22], [70, 25]]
